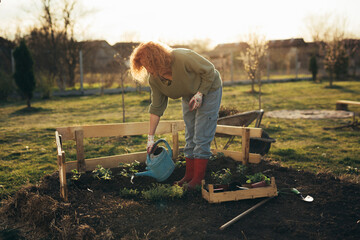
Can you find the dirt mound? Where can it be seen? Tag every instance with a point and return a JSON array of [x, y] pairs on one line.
[[97, 211]]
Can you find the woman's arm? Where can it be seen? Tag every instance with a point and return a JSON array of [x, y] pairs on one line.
[[154, 121]]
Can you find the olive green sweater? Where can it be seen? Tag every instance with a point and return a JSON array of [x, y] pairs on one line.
[[191, 73]]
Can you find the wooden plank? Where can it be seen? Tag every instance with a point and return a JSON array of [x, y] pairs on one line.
[[62, 177], [238, 131], [58, 143], [120, 129], [238, 156], [175, 138], [348, 102], [80, 155], [109, 161], [245, 145]]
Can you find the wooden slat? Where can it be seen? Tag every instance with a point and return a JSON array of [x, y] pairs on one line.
[[80, 154], [175, 138], [238, 131], [246, 145], [238, 156], [58, 143], [348, 102], [120, 129], [108, 162], [62, 177]]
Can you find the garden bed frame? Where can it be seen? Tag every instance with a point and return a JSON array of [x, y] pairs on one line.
[[78, 133]]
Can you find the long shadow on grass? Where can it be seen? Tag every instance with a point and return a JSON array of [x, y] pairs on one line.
[[341, 88], [29, 111], [289, 154]]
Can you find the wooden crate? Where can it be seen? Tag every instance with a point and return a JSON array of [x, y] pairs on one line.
[[218, 197]]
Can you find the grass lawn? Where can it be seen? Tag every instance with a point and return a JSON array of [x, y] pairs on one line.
[[27, 150]]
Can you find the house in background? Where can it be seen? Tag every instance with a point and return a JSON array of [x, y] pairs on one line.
[[97, 56], [125, 49]]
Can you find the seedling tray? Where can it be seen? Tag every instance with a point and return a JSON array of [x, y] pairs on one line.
[[225, 196]]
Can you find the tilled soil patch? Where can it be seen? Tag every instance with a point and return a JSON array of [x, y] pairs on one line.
[[96, 210]]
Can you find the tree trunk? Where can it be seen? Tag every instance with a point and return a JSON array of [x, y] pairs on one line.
[[252, 85], [28, 102], [123, 98]]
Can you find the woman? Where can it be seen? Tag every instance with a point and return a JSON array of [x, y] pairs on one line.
[[182, 73]]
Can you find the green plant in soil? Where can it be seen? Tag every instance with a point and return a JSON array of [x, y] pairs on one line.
[[102, 173], [75, 175], [128, 193], [241, 169], [223, 176], [257, 177], [129, 169], [162, 192]]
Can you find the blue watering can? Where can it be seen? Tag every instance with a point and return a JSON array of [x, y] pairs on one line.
[[159, 163]]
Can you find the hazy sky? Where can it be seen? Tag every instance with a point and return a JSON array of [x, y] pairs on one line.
[[183, 20]]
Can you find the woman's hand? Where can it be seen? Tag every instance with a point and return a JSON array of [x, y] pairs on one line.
[[196, 101], [150, 143]]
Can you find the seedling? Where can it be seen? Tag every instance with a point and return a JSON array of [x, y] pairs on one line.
[[241, 169], [102, 173], [218, 155], [76, 175], [223, 177], [129, 169]]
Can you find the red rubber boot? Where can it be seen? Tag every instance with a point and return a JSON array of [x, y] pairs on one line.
[[189, 172], [199, 172]]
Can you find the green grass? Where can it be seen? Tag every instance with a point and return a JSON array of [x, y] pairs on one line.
[[27, 146]]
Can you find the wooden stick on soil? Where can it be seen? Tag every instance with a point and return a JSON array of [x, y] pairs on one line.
[[244, 213]]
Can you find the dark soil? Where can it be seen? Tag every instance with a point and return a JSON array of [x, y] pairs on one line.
[[95, 210]]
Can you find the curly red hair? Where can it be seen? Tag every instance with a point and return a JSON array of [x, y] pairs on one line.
[[150, 57]]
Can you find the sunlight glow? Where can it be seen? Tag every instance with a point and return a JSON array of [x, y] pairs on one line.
[[178, 21]]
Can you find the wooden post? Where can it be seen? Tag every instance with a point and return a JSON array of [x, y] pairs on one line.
[[175, 137], [62, 176], [80, 155], [246, 145]]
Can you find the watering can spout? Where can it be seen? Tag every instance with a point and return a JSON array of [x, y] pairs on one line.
[[146, 173]]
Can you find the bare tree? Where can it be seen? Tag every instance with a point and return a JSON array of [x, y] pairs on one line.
[[53, 41], [122, 69], [255, 60], [329, 32]]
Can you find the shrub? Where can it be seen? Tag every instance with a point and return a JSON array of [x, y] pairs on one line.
[[24, 73], [313, 67], [6, 86]]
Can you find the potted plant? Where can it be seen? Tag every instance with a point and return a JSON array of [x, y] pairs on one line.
[[257, 180], [222, 179]]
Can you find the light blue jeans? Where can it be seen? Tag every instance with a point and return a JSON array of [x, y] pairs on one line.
[[201, 125]]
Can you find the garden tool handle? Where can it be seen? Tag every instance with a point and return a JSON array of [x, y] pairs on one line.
[[167, 145]]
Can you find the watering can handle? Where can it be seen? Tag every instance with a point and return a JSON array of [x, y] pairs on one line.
[[167, 145]]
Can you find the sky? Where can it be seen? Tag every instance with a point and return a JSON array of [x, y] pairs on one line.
[[180, 21]]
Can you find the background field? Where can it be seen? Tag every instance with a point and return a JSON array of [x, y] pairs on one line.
[[27, 150]]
